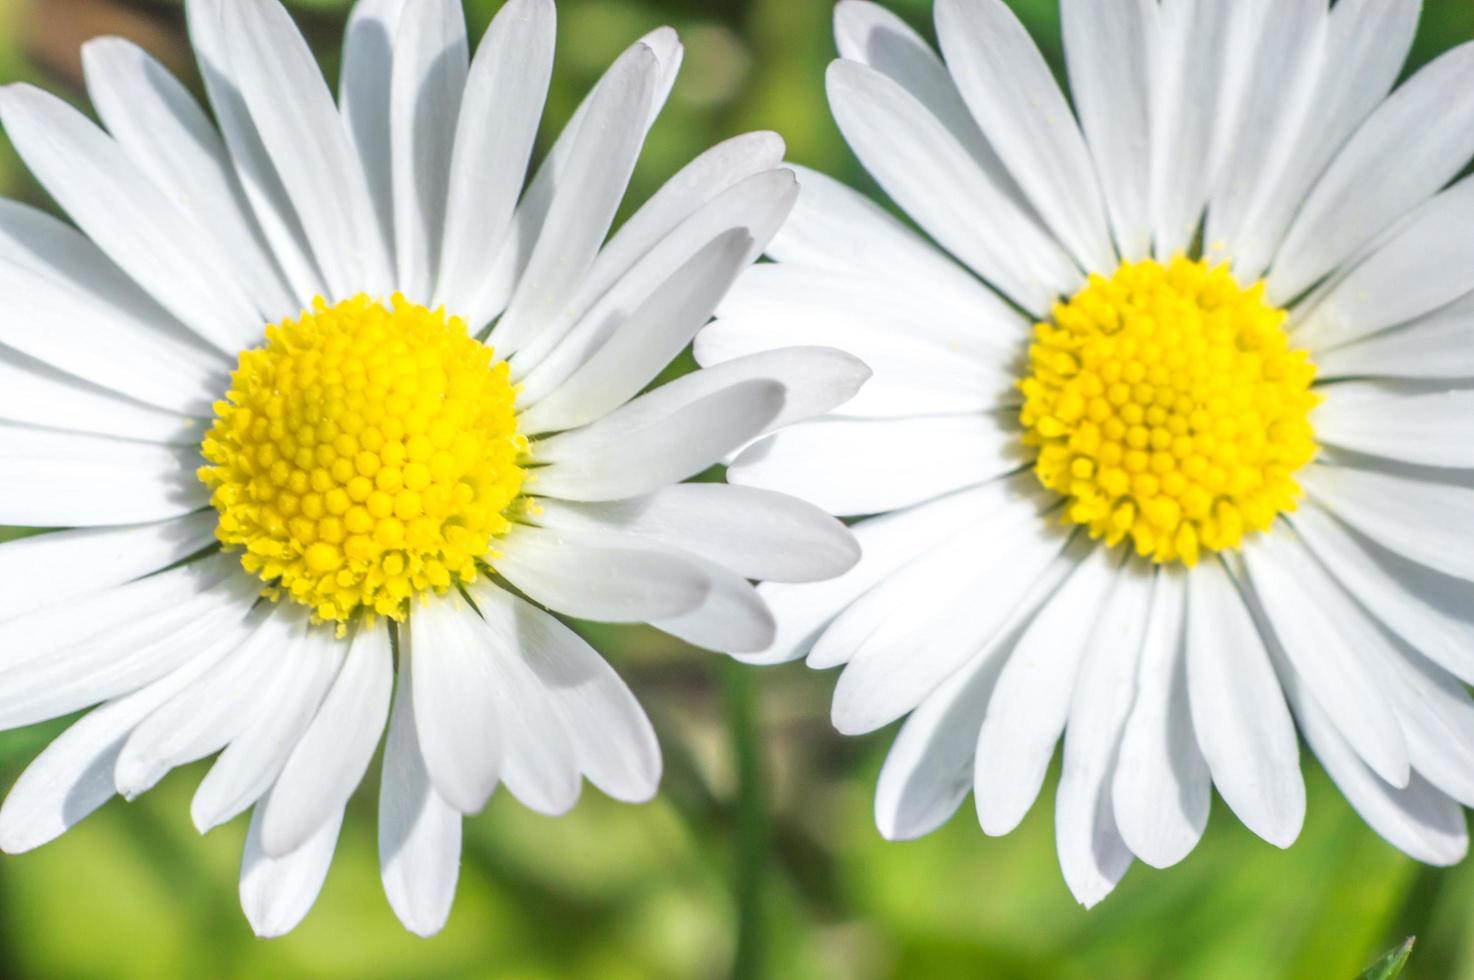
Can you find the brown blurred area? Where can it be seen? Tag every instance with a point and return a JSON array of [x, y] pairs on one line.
[[51, 33]]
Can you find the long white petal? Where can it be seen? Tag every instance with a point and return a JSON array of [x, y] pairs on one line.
[[499, 115], [277, 892], [308, 143], [1013, 95], [1326, 639], [612, 738], [756, 533], [459, 728], [334, 752], [431, 60], [419, 833], [611, 578], [938, 183], [589, 190], [1431, 612], [643, 448], [1412, 517], [1439, 345], [868, 466], [52, 569], [1031, 701], [1393, 163], [167, 135], [1162, 790], [1430, 429], [128, 216], [732, 618], [369, 41], [1238, 709]]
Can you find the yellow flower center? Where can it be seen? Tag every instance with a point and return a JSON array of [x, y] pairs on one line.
[[364, 455], [1166, 404]]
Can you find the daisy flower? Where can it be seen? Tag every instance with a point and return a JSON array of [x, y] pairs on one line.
[[252, 386], [1168, 448]]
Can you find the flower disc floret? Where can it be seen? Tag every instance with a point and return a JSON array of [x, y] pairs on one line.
[[1166, 405], [364, 455]]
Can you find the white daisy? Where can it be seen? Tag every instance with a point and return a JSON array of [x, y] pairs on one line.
[[1165, 499], [371, 464]]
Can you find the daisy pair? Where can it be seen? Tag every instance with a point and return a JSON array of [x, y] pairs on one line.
[[332, 408], [1168, 447]]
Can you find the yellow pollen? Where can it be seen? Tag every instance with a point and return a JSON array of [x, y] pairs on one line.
[[366, 454], [1166, 405]]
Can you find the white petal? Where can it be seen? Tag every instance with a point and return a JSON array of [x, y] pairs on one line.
[[334, 752], [651, 443], [168, 136], [1418, 820], [1031, 701], [1437, 716], [74, 775], [912, 632], [1162, 789], [364, 97], [1439, 345], [52, 569], [732, 618], [460, 731], [753, 207], [419, 833], [530, 218], [612, 739], [300, 127], [1431, 612], [74, 333], [253, 165], [611, 578], [1432, 429], [1238, 710], [1352, 70], [1393, 163], [278, 892], [431, 59], [1092, 854], [128, 216], [888, 319], [538, 761], [849, 466], [250, 764], [1332, 647], [756, 533], [588, 193], [1108, 48], [1420, 266], [37, 394], [868, 33], [1412, 517], [735, 184], [226, 700], [928, 770], [886, 544], [136, 634], [938, 183], [648, 339], [1200, 68], [839, 229], [499, 115], [1280, 104], [62, 479], [1013, 96]]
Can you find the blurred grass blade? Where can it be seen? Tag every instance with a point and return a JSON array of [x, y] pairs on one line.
[[1391, 962]]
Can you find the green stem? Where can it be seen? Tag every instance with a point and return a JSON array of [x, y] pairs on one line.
[[750, 844]]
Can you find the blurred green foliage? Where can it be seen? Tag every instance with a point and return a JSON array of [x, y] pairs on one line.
[[613, 891]]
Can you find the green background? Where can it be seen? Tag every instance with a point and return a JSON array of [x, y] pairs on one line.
[[614, 891]]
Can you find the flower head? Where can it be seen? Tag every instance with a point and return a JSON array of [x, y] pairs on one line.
[[329, 406], [1168, 443]]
